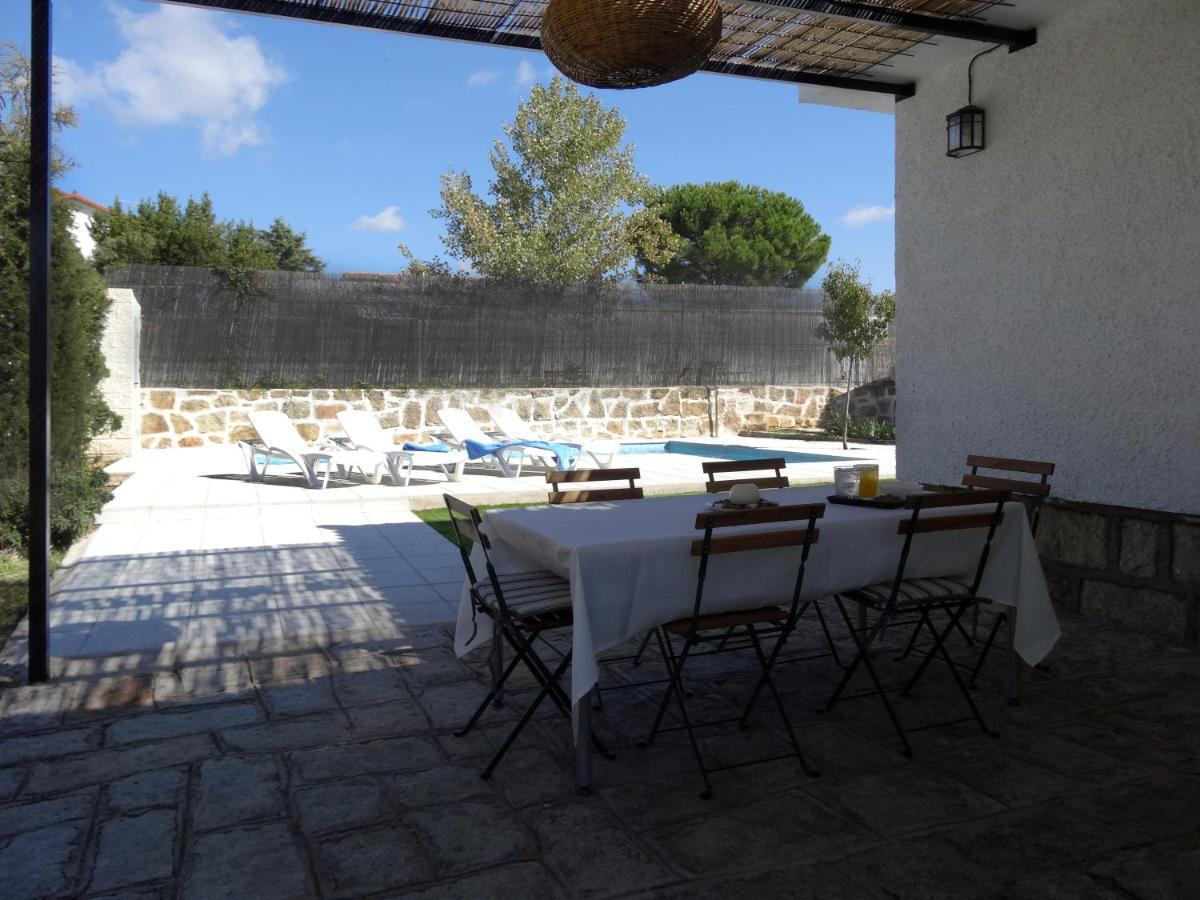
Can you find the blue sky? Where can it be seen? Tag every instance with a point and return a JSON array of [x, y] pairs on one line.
[[345, 132]]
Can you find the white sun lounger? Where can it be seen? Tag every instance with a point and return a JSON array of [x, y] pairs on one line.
[[282, 440], [509, 460], [514, 428], [365, 433]]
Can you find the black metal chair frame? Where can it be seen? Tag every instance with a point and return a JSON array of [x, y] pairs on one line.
[[520, 632], [954, 605], [776, 622]]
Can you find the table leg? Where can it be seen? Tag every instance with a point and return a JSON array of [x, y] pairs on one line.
[[1013, 675], [497, 666], [582, 714]]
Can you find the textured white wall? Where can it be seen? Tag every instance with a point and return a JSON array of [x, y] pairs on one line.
[[82, 233], [121, 344], [1049, 287]]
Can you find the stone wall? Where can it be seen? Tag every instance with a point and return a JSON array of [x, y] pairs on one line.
[[1132, 567], [193, 418]]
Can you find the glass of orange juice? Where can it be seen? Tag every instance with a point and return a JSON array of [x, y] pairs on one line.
[[868, 481]]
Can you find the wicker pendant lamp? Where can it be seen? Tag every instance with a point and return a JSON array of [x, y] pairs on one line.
[[630, 43]]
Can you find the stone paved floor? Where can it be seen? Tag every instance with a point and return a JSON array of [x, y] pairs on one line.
[[333, 772]]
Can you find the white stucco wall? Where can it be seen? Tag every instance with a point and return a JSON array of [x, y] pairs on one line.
[[121, 344], [1049, 287], [81, 231]]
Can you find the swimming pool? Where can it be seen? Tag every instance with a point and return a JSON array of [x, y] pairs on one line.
[[727, 451]]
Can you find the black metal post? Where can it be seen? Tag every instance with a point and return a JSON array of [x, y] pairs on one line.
[[39, 340]]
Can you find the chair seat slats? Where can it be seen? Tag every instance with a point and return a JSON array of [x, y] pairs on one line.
[[726, 620], [912, 592], [527, 593]]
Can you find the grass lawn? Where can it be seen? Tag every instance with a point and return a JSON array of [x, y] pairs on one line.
[[14, 586], [438, 518]]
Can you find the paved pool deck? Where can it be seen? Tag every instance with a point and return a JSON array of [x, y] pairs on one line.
[[191, 555]]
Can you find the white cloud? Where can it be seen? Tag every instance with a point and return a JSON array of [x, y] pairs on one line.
[[387, 219], [866, 215], [180, 66], [526, 73], [483, 77]]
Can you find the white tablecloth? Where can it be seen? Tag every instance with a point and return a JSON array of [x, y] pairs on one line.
[[630, 567]]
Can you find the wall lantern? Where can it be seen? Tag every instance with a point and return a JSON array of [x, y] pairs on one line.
[[964, 127], [964, 131]]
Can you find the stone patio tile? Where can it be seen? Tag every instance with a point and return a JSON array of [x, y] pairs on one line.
[[586, 847], [401, 717], [995, 771], [107, 765], [832, 749], [289, 734], [405, 754], [372, 859], [1038, 837], [145, 790], [1137, 753], [232, 790], [271, 668], [893, 801], [263, 862], [41, 863], [443, 784], [367, 688], [302, 697], [18, 817], [36, 707], [1082, 763], [190, 685], [133, 849], [341, 804], [780, 829], [820, 881], [472, 834], [1145, 810], [528, 775], [1157, 872], [11, 779], [917, 869], [1063, 884], [529, 881], [158, 725], [46, 746], [450, 706], [432, 666]]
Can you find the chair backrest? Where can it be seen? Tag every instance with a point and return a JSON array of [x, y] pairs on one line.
[[725, 467], [510, 423], [462, 427], [721, 543], [364, 430], [466, 520], [986, 522], [631, 491], [277, 430], [1032, 491]]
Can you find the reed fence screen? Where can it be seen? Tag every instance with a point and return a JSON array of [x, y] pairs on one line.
[[290, 329]]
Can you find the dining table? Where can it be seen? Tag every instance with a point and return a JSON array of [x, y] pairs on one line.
[[630, 568]]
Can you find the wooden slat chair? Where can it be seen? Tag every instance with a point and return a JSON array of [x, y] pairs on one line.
[[709, 622], [566, 492], [1032, 492], [902, 596], [731, 466], [522, 606]]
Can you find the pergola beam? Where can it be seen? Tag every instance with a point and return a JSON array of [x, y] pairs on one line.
[[965, 29], [403, 25]]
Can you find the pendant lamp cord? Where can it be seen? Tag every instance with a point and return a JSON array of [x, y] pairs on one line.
[[971, 71]]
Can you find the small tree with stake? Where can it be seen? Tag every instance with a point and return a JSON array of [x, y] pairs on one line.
[[855, 320]]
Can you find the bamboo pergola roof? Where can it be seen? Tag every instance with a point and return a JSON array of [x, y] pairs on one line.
[[833, 43]]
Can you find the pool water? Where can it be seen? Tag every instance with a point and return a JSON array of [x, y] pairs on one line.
[[726, 451]]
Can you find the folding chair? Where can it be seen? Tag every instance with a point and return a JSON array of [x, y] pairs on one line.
[[778, 621], [591, 495], [521, 605], [725, 467], [924, 596]]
